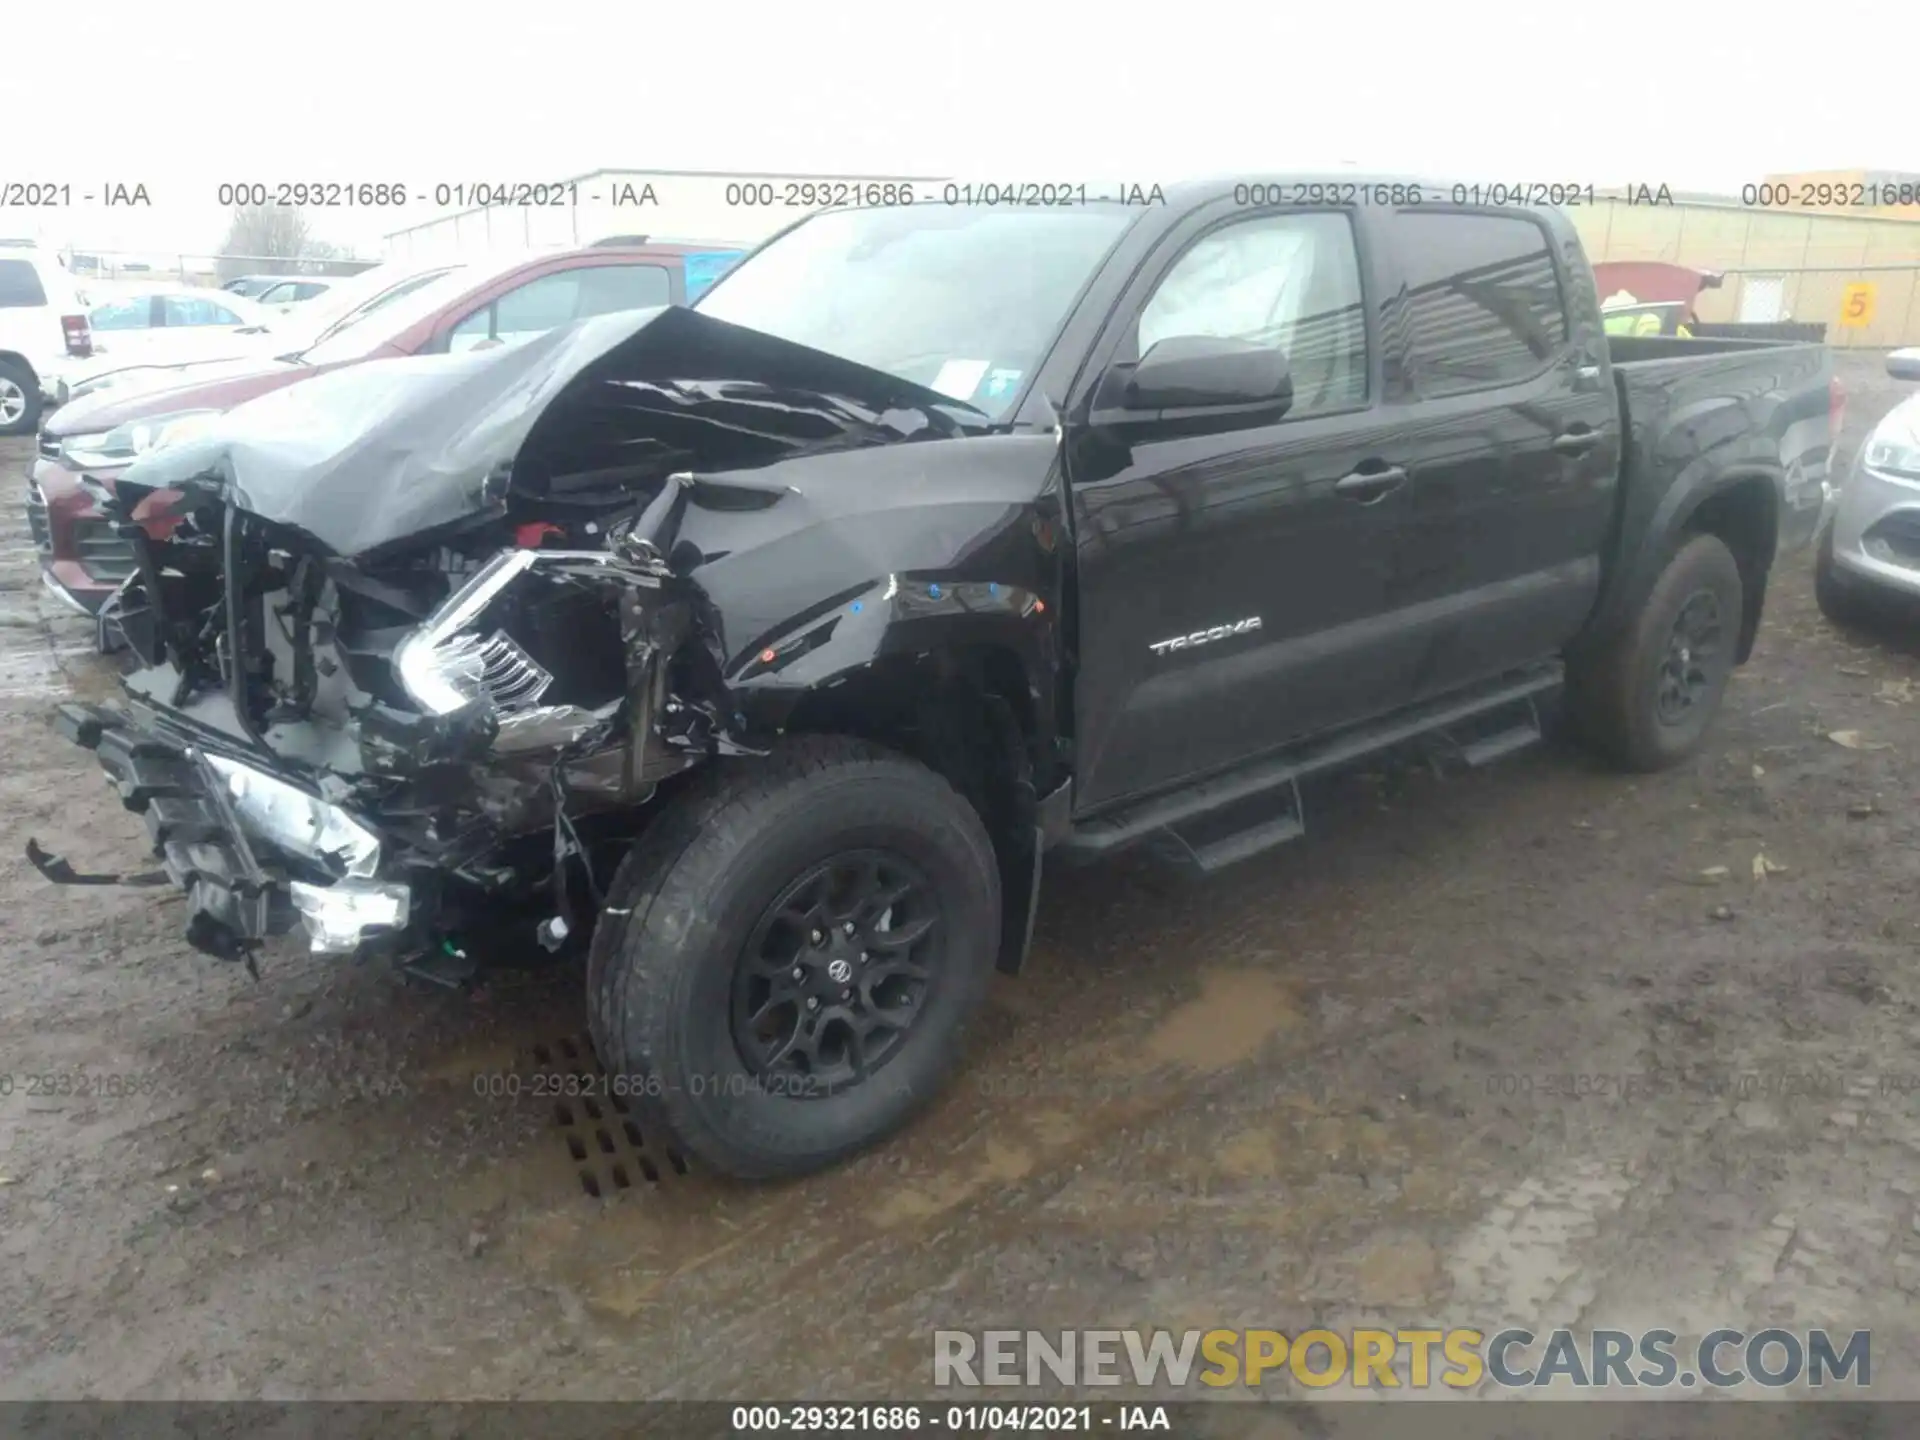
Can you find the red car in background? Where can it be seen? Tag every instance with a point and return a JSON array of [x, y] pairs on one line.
[[468, 305]]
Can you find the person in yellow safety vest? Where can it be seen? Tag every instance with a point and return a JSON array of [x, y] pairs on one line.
[[1651, 321]]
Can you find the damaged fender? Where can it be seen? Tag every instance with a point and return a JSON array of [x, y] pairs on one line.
[[471, 600]]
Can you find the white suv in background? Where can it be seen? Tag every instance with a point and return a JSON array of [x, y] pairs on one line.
[[43, 326]]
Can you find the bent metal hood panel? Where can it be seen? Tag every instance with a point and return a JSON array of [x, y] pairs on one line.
[[591, 416]]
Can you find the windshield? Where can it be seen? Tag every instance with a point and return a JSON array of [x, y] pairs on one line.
[[963, 300], [364, 329]]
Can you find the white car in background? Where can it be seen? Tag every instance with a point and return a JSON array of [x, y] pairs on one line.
[[351, 298], [177, 322], [43, 328], [279, 292]]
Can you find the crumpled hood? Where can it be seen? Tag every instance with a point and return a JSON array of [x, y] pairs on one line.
[[370, 454]]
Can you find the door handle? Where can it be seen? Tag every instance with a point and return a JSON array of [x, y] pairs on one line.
[[1366, 486], [1576, 442]]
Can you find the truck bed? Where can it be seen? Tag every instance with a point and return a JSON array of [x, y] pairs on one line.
[[1640, 350], [1692, 407]]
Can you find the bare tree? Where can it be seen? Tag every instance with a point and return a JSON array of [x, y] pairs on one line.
[[275, 232]]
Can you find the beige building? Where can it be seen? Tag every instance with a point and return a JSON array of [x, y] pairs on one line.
[[1780, 262], [1883, 193]]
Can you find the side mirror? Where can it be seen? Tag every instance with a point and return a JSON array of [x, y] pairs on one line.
[[1193, 371], [1904, 364]]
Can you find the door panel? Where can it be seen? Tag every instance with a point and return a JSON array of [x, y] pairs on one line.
[[1514, 444], [1231, 596], [1191, 535]]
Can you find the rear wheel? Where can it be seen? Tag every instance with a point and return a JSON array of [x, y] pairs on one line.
[[19, 398], [1647, 698], [790, 954]]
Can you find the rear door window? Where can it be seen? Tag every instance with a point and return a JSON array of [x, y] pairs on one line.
[[134, 314], [1483, 303], [195, 310], [606, 288], [20, 286], [559, 299]]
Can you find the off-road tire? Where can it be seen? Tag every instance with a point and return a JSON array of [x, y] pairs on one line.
[[1840, 600], [687, 898], [1614, 693], [18, 373]]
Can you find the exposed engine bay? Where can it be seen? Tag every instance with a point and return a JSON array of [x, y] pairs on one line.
[[409, 642]]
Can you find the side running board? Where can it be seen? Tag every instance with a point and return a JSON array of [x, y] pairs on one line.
[[1239, 813]]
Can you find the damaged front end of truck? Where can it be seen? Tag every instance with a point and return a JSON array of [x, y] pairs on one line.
[[411, 647]]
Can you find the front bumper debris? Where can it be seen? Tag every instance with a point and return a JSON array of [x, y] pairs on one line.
[[243, 885]]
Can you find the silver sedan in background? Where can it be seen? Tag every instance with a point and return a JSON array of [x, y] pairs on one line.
[[1869, 545]]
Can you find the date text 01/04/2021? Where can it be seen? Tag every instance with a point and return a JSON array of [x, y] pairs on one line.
[[59, 194], [461, 194], [976, 1419], [879, 194]]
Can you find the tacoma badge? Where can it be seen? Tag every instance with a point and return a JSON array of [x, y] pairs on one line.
[[1205, 637]]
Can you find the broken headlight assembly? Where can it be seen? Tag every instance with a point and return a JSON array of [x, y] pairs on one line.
[[295, 821], [449, 663], [460, 657]]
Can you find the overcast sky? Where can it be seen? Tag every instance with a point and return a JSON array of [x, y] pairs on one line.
[[183, 96]]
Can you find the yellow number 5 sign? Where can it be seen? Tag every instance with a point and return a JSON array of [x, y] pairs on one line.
[[1856, 305]]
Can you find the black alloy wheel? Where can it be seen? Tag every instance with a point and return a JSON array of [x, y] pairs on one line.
[[837, 971], [1646, 693], [790, 955], [1687, 674]]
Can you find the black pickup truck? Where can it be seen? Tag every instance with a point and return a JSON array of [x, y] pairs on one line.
[[760, 651]]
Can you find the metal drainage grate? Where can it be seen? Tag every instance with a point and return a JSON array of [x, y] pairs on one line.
[[598, 1126]]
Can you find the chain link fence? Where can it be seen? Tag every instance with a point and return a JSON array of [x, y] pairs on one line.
[[186, 269]]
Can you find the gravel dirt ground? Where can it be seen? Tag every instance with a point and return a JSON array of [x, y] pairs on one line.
[[1324, 1088]]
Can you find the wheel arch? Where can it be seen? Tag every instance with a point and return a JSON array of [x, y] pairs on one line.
[[1739, 505], [1742, 511], [975, 713]]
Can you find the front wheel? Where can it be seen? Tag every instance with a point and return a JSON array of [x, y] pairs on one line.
[[790, 954], [1647, 698]]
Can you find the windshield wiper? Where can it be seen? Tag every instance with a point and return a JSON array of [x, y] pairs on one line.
[[967, 416]]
